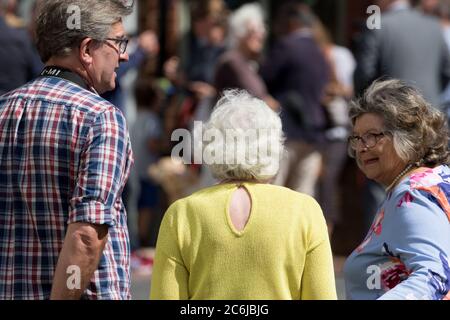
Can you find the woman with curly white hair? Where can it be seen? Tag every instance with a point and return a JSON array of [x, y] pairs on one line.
[[243, 238]]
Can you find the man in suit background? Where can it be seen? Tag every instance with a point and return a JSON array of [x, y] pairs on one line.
[[296, 74], [408, 46]]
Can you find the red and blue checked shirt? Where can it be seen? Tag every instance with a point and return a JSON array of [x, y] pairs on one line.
[[65, 156]]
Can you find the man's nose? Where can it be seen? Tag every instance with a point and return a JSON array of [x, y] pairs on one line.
[[124, 57]]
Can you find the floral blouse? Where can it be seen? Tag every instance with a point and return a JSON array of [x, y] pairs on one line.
[[406, 252]]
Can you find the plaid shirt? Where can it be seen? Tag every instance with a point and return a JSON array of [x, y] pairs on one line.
[[65, 156]]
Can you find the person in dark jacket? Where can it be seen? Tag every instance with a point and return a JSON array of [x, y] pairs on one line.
[[19, 62], [296, 74]]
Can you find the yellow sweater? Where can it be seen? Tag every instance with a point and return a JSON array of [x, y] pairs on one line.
[[282, 253]]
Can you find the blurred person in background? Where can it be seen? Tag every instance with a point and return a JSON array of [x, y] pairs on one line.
[[220, 242], [193, 76], [19, 62], [238, 66], [146, 135], [9, 7], [401, 141], [443, 12], [408, 46], [296, 73], [336, 98]]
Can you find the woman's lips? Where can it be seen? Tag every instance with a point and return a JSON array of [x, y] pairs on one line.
[[370, 161]]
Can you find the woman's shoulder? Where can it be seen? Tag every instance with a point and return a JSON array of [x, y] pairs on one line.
[[206, 198], [262, 190], [425, 178], [203, 193], [425, 187], [273, 188], [287, 196]]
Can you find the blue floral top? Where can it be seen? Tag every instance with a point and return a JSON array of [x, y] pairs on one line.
[[405, 254]]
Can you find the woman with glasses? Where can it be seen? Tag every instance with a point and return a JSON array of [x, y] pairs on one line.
[[400, 141]]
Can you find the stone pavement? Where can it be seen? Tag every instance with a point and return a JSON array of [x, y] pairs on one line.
[[140, 284]]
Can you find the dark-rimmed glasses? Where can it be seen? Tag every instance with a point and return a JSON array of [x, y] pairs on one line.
[[123, 43], [367, 140]]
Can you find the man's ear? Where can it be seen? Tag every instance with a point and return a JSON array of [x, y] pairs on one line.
[[85, 53]]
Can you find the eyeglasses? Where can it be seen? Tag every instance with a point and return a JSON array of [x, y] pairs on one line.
[[123, 43], [368, 140]]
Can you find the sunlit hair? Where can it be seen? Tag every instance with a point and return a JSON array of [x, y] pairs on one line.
[[239, 113], [243, 20], [419, 131], [56, 38]]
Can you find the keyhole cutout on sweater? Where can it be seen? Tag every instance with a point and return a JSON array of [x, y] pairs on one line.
[[240, 207]]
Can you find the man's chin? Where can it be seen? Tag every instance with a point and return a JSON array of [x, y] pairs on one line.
[[106, 89]]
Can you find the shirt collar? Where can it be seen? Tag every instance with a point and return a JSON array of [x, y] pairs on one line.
[[69, 75]]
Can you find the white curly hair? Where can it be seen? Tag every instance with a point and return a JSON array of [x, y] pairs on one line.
[[246, 18], [243, 138]]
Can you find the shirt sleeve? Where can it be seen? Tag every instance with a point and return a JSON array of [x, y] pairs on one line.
[[104, 167], [318, 282], [421, 241], [170, 277]]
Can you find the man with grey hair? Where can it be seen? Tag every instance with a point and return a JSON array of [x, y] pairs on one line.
[[66, 157]]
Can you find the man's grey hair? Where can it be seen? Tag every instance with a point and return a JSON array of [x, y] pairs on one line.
[[57, 37], [245, 17]]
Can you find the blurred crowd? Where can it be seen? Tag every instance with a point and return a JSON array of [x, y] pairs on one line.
[[293, 64]]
